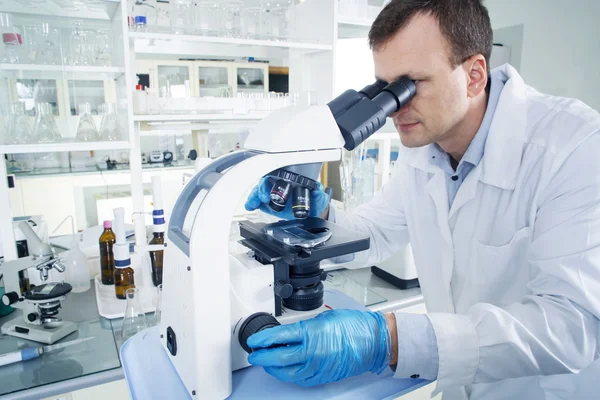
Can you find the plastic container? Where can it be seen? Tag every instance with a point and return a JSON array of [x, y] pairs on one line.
[[78, 274]]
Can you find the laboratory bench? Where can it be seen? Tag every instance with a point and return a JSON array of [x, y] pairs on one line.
[[97, 361]]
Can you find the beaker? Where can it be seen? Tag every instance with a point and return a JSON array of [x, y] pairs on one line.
[[86, 130], [135, 319], [45, 129], [19, 128], [109, 127]]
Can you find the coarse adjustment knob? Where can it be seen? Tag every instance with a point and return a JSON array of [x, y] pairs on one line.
[[255, 323]]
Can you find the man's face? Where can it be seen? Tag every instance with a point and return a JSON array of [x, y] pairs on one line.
[[421, 52]]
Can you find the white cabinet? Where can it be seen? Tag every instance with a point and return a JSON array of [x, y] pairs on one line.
[[177, 79]]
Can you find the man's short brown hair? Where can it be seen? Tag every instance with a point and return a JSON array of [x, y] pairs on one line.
[[464, 23]]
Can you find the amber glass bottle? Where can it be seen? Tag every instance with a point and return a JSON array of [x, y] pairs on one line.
[[107, 259], [156, 258], [123, 281]]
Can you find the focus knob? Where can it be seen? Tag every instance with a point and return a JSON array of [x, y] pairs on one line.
[[31, 317], [10, 298], [255, 323], [283, 290]]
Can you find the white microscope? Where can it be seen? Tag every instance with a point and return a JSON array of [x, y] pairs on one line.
[[40, 304], [213, 300]]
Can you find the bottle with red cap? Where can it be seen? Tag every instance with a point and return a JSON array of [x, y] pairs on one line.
[[139, 100]]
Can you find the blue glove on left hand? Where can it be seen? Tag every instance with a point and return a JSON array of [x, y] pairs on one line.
[[260, 196], [334, 345]]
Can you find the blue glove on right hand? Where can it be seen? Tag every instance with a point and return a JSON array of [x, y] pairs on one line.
[[334, 345], [259, 199]]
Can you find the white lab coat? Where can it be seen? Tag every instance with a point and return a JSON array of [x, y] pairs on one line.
[[511, 273]]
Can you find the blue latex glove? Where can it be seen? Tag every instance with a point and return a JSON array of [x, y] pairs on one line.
[[259, 199], [333, 346]]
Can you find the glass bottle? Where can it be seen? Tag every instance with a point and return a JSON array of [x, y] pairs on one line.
[[45, 129], [158, 310], [19, 129], [123, 281], [107, 259], [109, 127], [78, 45], [11, 39], [49, 52], [181, 12], [86, 130], [30, 47], [156, 258], [135, 319], [103, 48]]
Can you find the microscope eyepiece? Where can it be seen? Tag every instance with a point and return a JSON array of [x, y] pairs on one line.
[[360, 115]]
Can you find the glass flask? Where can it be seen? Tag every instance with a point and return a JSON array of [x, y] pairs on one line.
[[30, 39], [207, 16], [19, 128], [78, 45], [135, 319], [86, 130], [49, 51], [158, 310], [45, 129], [109, 127], [232, 10], [103, 49]]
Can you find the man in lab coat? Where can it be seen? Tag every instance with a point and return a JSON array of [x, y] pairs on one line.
[[497, 189]]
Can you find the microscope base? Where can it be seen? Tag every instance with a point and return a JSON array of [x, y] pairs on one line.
[[38, 333]]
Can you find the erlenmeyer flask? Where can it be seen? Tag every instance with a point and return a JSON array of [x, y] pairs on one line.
[[45, 129], [19, 129], [109, 128], [135, 319], [86, 130]]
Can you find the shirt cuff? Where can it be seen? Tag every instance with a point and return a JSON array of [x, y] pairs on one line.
[[458, 349], [417, 347]]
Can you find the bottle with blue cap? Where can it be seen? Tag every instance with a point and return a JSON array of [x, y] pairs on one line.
[[158, 236], [140, 10]]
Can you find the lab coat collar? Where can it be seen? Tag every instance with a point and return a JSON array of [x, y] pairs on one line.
[[504, 145]]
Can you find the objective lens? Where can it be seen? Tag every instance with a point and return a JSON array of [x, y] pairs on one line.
[[301, 202], [279, 195]]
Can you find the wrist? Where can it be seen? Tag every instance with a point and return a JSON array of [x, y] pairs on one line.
[[390, 319]]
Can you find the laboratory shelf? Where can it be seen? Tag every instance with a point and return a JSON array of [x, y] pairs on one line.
[[81, 9], [193, 45], [200, 117], [30, 71], [62, 147]]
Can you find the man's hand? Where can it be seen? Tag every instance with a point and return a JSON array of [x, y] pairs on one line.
[[333, 346], [259, 199]]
